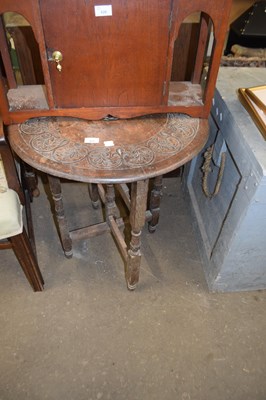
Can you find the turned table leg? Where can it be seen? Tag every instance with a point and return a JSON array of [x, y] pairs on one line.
[[110, 204], [55, 187], [94, 195], [30, 179], [155, 199], [139, 192]]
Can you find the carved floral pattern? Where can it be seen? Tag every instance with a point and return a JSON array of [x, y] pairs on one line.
[[104, 158], [39, 126], [50, 140], [47, 142], [70, 153], [163, 143], [137, 156]]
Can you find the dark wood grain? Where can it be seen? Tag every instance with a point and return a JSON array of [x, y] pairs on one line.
[[119, 65], [140, 148], [55, 187]]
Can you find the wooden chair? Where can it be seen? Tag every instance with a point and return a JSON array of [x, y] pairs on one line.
[[12, 232], [111, 111]]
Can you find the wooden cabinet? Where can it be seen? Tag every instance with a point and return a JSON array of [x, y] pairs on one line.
[[110, 60], [116, 58]]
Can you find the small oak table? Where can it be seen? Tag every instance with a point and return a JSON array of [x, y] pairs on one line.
[[109, 152]]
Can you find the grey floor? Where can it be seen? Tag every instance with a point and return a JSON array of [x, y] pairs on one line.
[[87, 337]]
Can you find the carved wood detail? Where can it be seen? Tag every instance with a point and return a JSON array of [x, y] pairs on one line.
[[49, 138]]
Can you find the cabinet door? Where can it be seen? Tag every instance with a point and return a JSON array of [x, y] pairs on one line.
[[115, 59], [212, 212]]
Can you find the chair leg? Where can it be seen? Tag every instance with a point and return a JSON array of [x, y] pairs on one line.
[[55, 187], [155, 200], [139, 193], [27, 259], [30, 228]]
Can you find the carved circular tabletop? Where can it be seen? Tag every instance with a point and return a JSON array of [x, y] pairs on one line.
[[108, 151]]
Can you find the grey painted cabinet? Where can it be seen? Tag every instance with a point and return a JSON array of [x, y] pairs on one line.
[[231, 226]]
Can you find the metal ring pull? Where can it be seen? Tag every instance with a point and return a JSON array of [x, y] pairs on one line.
[[58, 57]]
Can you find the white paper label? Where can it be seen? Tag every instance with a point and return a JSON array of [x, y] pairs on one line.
[[91, 140], [103, 11], [108, 143]]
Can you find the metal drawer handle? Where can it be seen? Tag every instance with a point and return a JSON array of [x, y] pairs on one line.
[[207, 169]]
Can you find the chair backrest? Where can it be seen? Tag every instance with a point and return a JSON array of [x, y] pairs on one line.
[[117, 59]]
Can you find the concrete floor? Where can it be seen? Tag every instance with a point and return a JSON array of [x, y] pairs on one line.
[[87, 337]]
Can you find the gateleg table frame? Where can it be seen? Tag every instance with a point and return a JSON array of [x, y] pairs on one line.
[[106, 153]]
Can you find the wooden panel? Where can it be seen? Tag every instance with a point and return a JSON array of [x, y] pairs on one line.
[[213, 212], [184, 52], [6, 66], [112, 60]]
